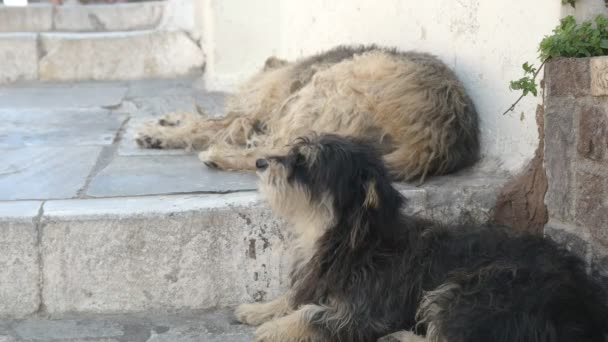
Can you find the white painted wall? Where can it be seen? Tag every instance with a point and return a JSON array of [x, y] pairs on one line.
[[484, 41]]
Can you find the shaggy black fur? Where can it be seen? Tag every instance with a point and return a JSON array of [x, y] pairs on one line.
[[374, 268]]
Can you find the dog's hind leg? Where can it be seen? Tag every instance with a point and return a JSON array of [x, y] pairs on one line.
[[258, 313]]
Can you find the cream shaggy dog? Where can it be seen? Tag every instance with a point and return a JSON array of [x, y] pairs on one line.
[[410, 104]]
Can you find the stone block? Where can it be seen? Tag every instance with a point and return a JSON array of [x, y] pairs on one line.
[[121, 255], [599, 76], [19, 259], [143, 54], [19, 56], [593, 132], [560, 155], [41, 172], [567, 77], [31, 18], [103, 18], [592, 204]]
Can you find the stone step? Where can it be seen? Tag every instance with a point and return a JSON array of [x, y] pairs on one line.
[[192, 251], [181, 326], [90, 18], [98, 56]]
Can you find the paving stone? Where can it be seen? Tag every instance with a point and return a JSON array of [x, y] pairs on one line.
[[196, 325], [41, 329], [62, 96], [19, 264], [39, 127], [92, 56], [103, 18], [19, 56], [148, 175], [45, 172]]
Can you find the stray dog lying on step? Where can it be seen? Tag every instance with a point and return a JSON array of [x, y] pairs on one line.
[[362, 269], [409, 103]]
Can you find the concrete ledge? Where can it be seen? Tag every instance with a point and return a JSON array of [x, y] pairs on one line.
[[19, 258], [143, 54], [19, 57], [121, 255], [90, 18]]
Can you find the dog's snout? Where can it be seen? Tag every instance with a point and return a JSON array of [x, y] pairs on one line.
[[261, 164]]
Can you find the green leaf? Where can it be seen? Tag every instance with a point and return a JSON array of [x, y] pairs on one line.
[[604, 44]]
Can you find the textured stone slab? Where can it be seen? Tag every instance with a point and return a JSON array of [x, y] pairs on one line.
[[560, 154], [45, 172], [568, 77], [183, 326], [62, 96], [181, 252], [144, 54], [599, 76], [38, 127], [19, 263], [19, 56], [102, 18], [31, 18], [148, 175]]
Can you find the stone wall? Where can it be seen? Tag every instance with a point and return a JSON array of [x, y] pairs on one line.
[[576, 157]]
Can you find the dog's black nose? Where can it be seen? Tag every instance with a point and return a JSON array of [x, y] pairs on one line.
[[261, 164]]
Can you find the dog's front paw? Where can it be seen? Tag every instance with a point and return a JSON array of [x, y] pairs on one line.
[[146, 141], [252, 314], [285, 330]]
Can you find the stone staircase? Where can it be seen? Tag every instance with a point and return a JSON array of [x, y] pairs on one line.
[[94, 42], [103, 241]]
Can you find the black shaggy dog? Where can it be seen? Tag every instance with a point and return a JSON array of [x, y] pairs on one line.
[[363, 269]]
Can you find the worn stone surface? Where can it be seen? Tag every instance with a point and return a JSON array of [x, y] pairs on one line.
[[148, 175], [31, 18], [190, 254], [19, 261], [39, 127], [560, 154], [103, 18], [19, 56], [182, 326], [599, 76], [567, 77], [147, 54], [63, 96], [521, 204], [41, 172], [592, 142], [592, 204]]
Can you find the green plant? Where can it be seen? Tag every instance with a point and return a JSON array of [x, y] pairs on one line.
[[568, 40], [571, 2]]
